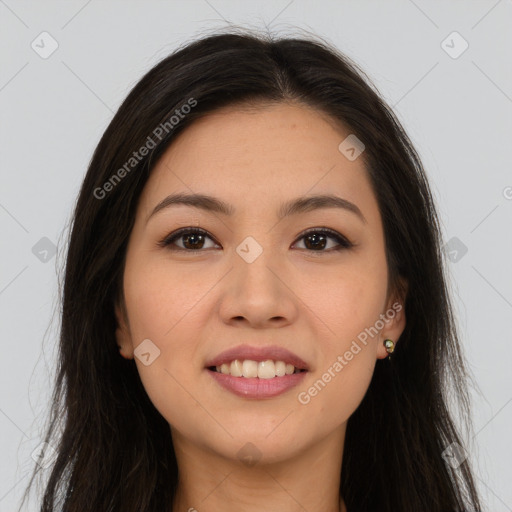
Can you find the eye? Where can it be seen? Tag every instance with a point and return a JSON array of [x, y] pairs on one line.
[[316, 240], [193, 239]]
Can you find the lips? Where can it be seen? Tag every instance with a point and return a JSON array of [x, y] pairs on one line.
[[257, 372], [247, 352]]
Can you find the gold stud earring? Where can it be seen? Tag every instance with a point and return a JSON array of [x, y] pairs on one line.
[[390, 347]]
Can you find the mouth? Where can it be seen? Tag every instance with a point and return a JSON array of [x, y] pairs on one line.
[[261, 362], [250, 369], [257, 372]]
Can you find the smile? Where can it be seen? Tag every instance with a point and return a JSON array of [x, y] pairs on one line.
[[250, 369]]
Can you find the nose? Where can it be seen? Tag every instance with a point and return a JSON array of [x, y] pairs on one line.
[[259, 294]]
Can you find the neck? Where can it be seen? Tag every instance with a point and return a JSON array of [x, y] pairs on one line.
[[309, 480]]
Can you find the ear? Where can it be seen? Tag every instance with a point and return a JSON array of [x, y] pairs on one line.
[[394, 319], [123, 335]]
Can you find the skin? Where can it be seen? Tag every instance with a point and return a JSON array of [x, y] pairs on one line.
[[193, 305]]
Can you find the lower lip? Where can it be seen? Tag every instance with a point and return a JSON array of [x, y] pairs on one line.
[[255, 387]]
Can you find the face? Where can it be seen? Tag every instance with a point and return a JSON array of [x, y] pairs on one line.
[[258, 279]]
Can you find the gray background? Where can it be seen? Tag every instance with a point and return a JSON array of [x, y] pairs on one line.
[[458, 112]]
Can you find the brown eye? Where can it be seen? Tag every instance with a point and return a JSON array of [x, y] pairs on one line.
[[317, 240], [192, 240]]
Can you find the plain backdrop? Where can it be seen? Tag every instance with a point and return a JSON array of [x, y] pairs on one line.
[[444, 66]]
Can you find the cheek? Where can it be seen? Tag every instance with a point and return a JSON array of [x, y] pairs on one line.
[[348, 301], [350, 306], [164, 307], [332, 395], [163, 298]]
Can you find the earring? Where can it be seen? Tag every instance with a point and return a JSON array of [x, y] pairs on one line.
[[390, 347]]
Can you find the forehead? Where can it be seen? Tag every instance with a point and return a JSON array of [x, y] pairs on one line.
[[240, 152]]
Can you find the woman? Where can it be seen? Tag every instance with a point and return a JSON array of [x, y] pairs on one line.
[[255, 312]]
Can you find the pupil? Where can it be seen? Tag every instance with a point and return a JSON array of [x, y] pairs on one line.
[[318, 239], [194, 240]]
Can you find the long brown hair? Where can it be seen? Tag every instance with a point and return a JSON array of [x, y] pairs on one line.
[[395, 439]]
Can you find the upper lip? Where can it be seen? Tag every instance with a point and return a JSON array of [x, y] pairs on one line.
[[242, 352]]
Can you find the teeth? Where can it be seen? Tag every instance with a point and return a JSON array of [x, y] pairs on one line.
[[280, 369], [236, 368], [250, 369], [266, 369]]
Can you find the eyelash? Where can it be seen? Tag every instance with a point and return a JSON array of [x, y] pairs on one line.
[[169, 239]]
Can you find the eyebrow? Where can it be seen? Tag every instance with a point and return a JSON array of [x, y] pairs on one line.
[[292, 207]]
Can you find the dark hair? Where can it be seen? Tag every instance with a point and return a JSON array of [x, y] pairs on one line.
[[392, 458]]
